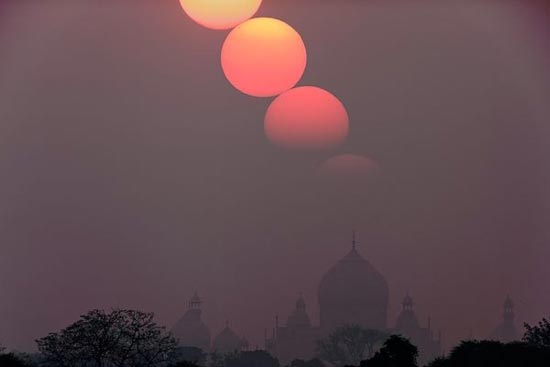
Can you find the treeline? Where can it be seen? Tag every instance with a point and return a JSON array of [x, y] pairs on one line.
[[129, 338]]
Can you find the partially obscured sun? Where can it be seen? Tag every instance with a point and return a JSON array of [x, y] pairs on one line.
[[220, 14], [307, 118], [348, 165], [263, 57]]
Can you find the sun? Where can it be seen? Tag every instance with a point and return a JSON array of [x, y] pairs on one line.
[[263, 57], [306, 118], [349, 166], [220, 14]]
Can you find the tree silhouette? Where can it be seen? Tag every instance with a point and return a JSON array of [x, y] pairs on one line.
[[12, 360], [216, 359], [311, 363], [489, 353], [439, 362], [189, 354], [184, 364], [120, 338], [538, 334], [349, 344], [396, 352], [255, 358]]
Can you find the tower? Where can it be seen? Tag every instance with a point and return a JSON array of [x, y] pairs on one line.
[[299, 317], [407, 325], [506, 331], [297, 339]]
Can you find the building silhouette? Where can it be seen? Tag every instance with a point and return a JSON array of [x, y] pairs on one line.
[[408, 326], [297, 339], [228, 341], [506, 331], [353, 292], [190, 330]]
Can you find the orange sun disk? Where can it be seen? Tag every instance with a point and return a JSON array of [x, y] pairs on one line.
[[220, 14], [263, 57]]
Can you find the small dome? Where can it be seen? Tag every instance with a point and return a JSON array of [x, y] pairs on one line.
[[227, 341], [353, 292], [190, 330]]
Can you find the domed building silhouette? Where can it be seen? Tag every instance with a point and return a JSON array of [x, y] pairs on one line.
[[506, 331], [228, 341], [190, 330], [353, 292]]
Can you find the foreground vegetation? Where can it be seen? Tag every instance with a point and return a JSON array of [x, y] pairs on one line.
[[129, 338]]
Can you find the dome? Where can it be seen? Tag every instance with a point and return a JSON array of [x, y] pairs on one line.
[[190, 330], [227, 341], [353, 292]]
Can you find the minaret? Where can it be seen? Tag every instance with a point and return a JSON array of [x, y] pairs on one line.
[[506, 331], [299, 318]]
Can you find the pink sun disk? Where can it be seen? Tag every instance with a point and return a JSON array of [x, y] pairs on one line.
[[306, 118]]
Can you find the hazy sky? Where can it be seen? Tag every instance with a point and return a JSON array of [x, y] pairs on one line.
[[133, 173]]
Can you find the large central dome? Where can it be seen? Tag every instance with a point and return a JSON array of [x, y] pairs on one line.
[[353, 292]]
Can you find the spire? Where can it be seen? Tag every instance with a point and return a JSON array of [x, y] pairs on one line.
[[353, 243]]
